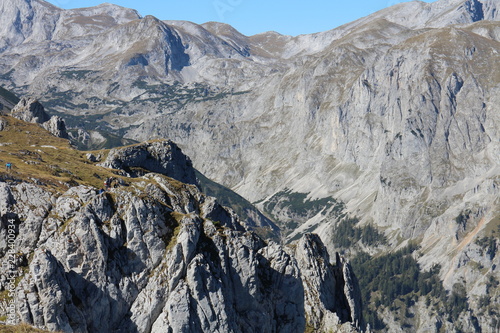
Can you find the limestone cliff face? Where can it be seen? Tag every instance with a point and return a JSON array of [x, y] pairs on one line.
[[395, 114], [30, 110], [7, 100], [156, 254]]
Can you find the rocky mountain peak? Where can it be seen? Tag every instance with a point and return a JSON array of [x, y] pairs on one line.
[[438, 14], [119, 13], [162, 156], [106, 12], [26, 20], [32, 111], [342, 294], [375, 135], [157, 255], [221, 29]]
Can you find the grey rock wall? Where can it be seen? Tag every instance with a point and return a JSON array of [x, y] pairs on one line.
[[161, 156], [395, 114], [31, 110], [158, 255]]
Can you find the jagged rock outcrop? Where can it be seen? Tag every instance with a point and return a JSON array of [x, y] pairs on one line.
[[154, 254], [154, 257], [56, 126], [328, 288], [161, 156], [395, 114], [30, 110]]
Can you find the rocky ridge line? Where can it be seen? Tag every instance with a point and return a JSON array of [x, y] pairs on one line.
[[155, 254]]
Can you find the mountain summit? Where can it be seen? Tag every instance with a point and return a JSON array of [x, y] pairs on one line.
[[381, 136]]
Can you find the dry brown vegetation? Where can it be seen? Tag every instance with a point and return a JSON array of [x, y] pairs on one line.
[[20, 328], [37, 156]]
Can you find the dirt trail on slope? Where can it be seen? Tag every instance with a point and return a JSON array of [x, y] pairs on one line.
[[466, 241]]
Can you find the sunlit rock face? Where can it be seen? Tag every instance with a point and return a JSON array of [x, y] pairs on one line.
[[395, 115]]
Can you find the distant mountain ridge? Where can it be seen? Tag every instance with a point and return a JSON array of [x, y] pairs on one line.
[[391, 120]]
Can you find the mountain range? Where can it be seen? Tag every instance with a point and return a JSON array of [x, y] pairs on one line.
[[387, 126]]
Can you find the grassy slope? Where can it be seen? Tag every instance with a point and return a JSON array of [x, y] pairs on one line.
[[36, 154], [21, 328]]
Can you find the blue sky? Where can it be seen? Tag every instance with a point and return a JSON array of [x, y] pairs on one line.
[[250, 17]]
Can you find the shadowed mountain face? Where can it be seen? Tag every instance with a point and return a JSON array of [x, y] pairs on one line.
[[392, 119]]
